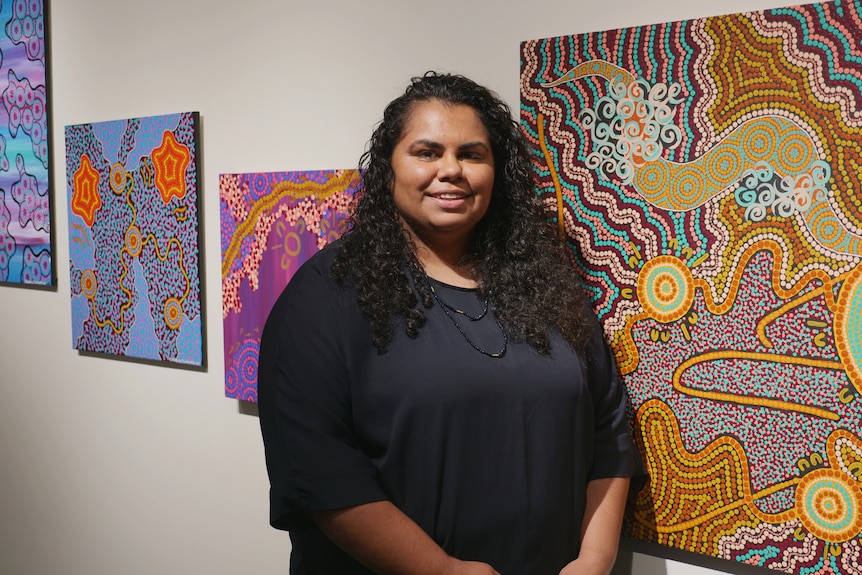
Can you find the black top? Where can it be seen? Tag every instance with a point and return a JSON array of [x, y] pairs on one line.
[[490, 456]]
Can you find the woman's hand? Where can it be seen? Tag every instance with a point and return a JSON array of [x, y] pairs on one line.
[[471, 568], [582, 567]]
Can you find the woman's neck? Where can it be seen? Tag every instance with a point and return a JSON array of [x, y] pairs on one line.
[[446, 266], [443, 257]]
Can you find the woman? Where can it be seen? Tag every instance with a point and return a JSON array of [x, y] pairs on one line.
[[435, 393]]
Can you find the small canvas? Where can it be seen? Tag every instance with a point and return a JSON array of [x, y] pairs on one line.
[[270, 224], [133, 204], [25, 210]]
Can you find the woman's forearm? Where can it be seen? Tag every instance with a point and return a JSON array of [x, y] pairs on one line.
[[384, 539], [600, 530]]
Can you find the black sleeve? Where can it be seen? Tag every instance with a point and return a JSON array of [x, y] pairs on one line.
[[312, 455], [615, 452]]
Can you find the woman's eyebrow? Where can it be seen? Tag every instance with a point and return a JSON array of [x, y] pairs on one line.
[[469, 145], [425, 143], [438, 146]]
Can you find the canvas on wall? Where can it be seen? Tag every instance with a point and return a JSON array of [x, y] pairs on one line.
[[707, 175], [133, 202], [25, 221], [270, 224]]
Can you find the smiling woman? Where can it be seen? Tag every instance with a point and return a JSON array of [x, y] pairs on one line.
[[443, 179], [435, 394]]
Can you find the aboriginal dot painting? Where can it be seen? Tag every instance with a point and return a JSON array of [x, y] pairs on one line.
[[707, 175], [270, 224], [25, 221], [133, 238]]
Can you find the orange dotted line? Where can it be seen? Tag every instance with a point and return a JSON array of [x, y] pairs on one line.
[[266, 203]]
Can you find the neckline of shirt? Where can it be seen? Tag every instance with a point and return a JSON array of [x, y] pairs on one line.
[[452, 287]]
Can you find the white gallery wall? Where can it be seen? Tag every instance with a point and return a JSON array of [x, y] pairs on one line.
[[115, 467]]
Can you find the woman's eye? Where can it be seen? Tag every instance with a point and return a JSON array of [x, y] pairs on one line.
[[426, 154]]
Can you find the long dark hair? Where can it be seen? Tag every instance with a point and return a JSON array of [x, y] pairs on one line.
[[516, 259]]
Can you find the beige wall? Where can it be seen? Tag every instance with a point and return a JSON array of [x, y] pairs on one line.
[[113, 467]]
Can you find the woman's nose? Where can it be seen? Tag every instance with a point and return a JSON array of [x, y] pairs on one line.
[[449, 167]]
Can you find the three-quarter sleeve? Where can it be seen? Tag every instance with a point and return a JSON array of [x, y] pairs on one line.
[[615, 452], [313, 458]]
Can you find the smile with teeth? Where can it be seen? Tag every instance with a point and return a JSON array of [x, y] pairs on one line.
[[449, 195]]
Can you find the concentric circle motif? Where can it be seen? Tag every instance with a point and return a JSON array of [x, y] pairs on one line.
[[118, 178], [823, 225], [134, 243], [725, 165], [758, 139], [173, 313], [260, 186], [829, 505], [651, 180], [665, 288], [89, 283], [247, 362], [794, 152], [848, 327], [231, 381], [249, 394], [690, 188]]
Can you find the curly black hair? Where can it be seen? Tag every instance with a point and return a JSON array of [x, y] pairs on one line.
[[515, 257]]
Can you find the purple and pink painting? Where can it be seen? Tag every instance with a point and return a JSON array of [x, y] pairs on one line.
[[25, 221], [270, 224]]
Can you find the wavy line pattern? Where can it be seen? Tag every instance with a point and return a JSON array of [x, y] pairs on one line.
[[725, 263]]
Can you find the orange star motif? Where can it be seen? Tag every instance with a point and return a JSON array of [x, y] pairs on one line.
[[170, 161], [85, 195]]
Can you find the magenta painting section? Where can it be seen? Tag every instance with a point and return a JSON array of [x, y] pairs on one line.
[[270, 224]]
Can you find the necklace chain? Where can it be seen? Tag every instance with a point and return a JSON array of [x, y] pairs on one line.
[[456, 310], [448, 309]]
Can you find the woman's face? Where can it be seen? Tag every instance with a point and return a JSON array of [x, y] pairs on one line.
[[443, 174]]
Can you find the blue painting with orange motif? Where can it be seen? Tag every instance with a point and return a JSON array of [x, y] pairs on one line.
[[133, 206]]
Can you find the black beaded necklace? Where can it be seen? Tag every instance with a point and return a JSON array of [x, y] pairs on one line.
[[449, 310]]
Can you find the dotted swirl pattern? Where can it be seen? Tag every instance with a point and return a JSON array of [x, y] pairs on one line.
[[706, 175]]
